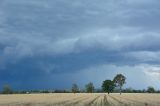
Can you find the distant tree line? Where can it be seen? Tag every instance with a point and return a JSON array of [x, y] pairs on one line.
[[108, 86]]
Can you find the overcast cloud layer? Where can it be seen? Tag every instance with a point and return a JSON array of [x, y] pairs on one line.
[[55, 43]]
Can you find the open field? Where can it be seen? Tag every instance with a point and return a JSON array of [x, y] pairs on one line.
[[80, 99]]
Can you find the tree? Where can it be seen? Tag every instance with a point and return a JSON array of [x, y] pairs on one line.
[[75, 88], [108, 86], [150, 89], [89, 87], [119, 81], [7, 90]]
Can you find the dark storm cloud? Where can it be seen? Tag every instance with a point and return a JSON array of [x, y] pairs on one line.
[[48, 37]]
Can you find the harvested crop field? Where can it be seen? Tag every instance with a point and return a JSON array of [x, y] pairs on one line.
[[80, 99]]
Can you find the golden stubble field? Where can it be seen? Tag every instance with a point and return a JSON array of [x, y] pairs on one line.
[[80, 99]]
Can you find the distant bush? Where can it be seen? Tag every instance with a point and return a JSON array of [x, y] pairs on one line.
[[75, 88], [89, 87], [7, 90], [151, 90]]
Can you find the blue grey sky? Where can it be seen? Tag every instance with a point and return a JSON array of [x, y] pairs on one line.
[[51, 44]]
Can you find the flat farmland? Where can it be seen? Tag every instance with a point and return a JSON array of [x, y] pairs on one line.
[[80, 99]]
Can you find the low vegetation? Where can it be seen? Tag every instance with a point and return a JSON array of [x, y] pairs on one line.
[[89, 87]]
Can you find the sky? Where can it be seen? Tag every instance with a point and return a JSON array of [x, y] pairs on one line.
[[51, 44]]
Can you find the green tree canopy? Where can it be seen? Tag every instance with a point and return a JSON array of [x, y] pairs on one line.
[[89, 87], [108, 86], [75, 88], [119, 81], [150, 89], [7, 89]]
